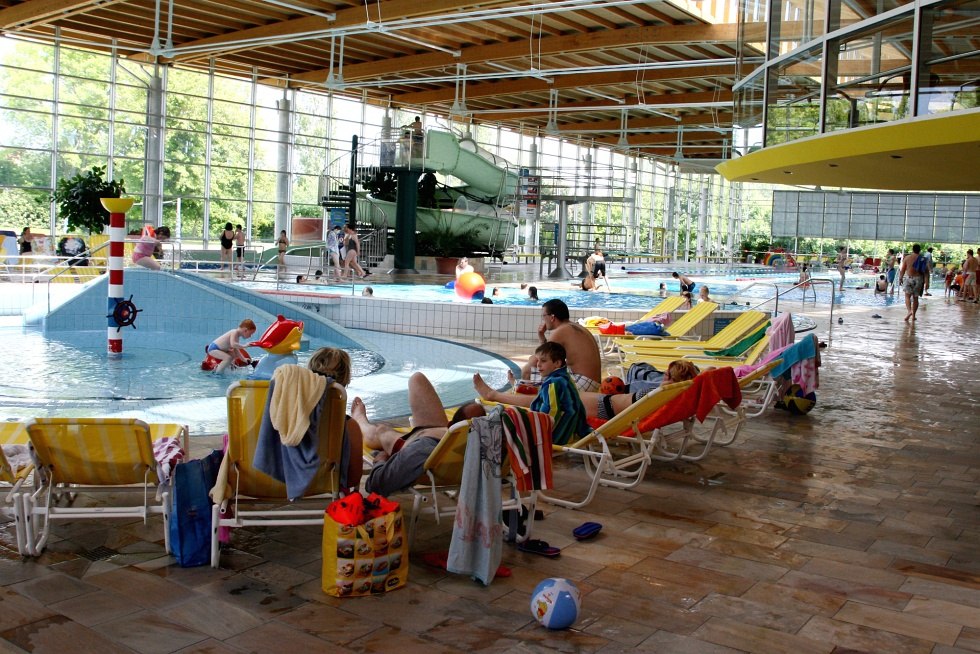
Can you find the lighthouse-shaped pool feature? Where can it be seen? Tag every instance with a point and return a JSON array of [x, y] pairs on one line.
[[117, 208]]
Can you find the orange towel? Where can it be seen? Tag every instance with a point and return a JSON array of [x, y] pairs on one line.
[[710, 387]]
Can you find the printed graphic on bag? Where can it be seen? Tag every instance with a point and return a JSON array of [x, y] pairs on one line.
[[364, 559]]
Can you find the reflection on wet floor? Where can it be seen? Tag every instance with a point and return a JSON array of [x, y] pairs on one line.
[[854, 528]]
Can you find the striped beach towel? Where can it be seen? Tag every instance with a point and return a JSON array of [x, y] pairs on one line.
[[528, 436]]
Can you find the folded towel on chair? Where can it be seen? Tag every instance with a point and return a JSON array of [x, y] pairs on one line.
[[297, 390]]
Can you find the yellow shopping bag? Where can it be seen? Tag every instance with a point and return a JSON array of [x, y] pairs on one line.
[[366, 558]]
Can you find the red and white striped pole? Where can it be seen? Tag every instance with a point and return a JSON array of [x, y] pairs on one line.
[[117, 208]]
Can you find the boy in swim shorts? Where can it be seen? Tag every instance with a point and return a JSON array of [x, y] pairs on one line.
[[227, 347]]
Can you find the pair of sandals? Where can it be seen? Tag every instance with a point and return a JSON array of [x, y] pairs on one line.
[[584, 531]]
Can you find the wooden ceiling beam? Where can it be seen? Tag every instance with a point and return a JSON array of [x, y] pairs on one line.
[[582, 81], [654, 122], [349, 17], [556, 45], [42, 11], [651, 101]]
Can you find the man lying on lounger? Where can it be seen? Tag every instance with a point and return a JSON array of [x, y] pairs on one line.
[[401, 457], [605, 406]]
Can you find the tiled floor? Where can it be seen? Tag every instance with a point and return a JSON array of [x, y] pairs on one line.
[[853, 529]]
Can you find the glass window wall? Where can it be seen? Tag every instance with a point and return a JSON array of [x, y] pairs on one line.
[[867, 74], [223, 141]]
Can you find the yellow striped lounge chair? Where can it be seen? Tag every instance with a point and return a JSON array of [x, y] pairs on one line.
[[441, 476], [243, 494], [91, 456], [666, 305], [660, 359], [733, 332], [443, 472], [601, 449]]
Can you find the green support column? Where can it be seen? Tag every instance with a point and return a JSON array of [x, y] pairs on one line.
[[407, 202]]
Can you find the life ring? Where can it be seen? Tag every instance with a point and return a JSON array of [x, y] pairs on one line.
[[124, 314], [243, 360]]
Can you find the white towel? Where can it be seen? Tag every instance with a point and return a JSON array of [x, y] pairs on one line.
[[296, 392]]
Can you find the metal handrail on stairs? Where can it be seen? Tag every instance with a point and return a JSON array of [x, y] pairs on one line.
[[779, 293]]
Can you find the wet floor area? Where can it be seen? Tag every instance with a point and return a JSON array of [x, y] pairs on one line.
[[854, 528]]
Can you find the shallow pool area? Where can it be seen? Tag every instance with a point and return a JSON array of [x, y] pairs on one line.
[[158, 378]]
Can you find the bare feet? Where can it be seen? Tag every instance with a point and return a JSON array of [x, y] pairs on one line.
[[357, 409], [482, 388], [907, 316], [511, 379]]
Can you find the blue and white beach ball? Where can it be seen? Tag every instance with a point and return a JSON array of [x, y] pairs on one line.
[[555, 603]]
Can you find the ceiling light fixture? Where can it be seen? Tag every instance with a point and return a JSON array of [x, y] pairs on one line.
[[623, 142], [459, 101], [336, 82], [552, 127]]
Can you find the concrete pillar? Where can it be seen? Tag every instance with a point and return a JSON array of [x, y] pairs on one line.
[[156, 109], [283, 166]]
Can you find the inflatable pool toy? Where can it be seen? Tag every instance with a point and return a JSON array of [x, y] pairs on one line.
[[282, 337], [241, 361], [470, 286], [555, 603], [796, 401], [281, 341]]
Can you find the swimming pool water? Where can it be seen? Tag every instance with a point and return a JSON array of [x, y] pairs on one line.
[[630, 292], [158, 378]]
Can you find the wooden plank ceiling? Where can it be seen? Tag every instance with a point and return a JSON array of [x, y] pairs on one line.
[[592, 61]]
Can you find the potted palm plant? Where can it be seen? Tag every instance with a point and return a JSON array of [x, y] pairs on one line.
[[448, 246]]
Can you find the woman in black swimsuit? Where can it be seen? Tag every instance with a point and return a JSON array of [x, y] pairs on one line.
[[227, 240], [25, 241]]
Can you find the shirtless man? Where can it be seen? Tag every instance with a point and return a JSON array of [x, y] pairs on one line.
[[583, 358], [914, 274], [687, 284], [970, 266], [401, 457]]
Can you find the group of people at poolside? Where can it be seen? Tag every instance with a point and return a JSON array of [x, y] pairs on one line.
[[343, 249], [566, 367]]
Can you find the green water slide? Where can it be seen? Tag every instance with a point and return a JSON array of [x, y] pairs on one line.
[[482, 172]]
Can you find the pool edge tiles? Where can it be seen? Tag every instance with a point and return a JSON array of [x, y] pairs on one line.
[[473, 322]]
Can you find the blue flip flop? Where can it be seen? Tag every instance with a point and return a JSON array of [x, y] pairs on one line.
[[586, 530], [535, 546]]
